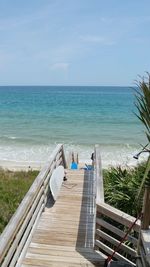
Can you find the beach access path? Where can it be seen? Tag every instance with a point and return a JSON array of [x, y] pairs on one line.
[[64, 235]]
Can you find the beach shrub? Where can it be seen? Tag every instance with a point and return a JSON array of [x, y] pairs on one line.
[[121, 186], [13, 187]]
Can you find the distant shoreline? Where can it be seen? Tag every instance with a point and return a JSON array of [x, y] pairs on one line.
[[37, 166], [21, 166]]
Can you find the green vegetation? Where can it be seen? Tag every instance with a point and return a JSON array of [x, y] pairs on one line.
[[143, 107], [143, 103], [121, 186], [13, 187], [124, 188]]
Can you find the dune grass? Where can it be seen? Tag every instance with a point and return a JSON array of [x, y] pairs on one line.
[[13, 187]]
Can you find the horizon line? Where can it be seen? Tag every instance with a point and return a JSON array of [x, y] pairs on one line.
[[52, 85]]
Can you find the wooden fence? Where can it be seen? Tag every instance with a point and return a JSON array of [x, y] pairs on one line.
[[17, 234], [112, 224]]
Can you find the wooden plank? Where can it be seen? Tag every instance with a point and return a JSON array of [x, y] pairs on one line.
[[115, 242], [41, 263], [64, 234], [110, 251], [59, 255], [59, 259], [143, 257], [62, 253], [98, 176], [139, 263], [118, 215], [11, 229], [60, 248], [63, 157], [28, 240], [27, 232], [21, 230], [115, 230], [56, 264], [145, 237]]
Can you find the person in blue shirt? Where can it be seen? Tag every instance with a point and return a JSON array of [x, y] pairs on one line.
[[74, 165]]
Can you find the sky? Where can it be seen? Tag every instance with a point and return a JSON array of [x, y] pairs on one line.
[[74, 42]]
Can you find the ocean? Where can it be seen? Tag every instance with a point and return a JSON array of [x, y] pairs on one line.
[[34, 119]]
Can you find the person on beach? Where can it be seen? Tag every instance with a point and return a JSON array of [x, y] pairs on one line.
[[74, 165], [92, 158]]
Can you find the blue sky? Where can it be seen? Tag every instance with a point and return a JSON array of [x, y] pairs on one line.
[[74, 42]]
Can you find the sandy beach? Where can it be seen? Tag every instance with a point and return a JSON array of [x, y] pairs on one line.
[[20, 166]]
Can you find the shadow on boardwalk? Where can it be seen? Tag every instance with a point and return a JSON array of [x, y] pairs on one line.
[[85, 238]]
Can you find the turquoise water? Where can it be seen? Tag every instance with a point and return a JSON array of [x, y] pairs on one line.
[[34, 119]]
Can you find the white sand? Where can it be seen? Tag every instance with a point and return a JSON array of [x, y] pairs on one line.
[[21, 166]]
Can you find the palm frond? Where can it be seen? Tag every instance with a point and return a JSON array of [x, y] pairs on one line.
[[142, 104]]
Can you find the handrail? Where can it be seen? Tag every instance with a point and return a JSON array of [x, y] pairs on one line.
[[17, 226], [98, 176], [118, 215], [111, 227], [111, 223]]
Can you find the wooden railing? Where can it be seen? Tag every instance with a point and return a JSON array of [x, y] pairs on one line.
[[144, 240], [98, 176], [144, 249], [17, 234], [112, 224]]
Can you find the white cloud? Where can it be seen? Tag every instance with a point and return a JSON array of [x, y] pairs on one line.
[[63, 66], [97, 39]]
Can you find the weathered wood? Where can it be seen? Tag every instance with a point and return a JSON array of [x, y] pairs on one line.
[[27, 232], [64, 234], [118, 215], [139, 262], [110, 251], [58, 159], [145, 238], [146, 209], [98, 176], [9, 233], [64, 158], [143, 257], [99, 183], [20, 232], [29, 239], [115, 230], [115, 242]]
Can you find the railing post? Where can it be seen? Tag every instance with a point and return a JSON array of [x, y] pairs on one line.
[[146, 209], [98, 176], [99, 187], [63, 158]]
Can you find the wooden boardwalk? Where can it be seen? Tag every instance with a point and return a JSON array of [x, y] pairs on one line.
[[47, 234], [64, 235]]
